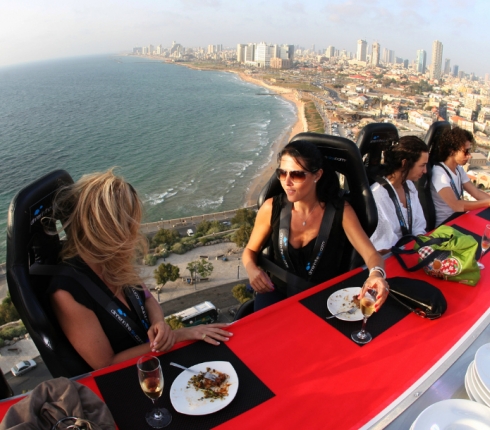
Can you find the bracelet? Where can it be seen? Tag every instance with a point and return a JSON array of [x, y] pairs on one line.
[[378, 269]]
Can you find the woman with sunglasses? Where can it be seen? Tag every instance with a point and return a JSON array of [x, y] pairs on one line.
[[449, 179], [293, 221], [399, 209], [98, 298]]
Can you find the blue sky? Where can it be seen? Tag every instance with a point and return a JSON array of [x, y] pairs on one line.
[[32, 30]]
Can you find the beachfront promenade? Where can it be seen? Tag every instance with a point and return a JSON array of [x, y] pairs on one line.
[[153, 227]]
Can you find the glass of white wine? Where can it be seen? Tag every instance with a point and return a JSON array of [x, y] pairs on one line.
[[367, 309], [485, 244], [151, 381]]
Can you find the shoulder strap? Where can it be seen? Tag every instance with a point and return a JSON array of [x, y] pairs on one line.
[[453, 185], [105, 301], [405, 227]]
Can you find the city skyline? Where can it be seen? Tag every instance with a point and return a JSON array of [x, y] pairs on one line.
[[32, 31]]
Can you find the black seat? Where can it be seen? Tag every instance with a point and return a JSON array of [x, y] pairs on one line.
[[27, 243], [343, 156], [245, 309], [423, 184], [373, 139], [5, 389]]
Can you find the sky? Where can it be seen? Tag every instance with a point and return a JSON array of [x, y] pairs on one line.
[[34, 30]]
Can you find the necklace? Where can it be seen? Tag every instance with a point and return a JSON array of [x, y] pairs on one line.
[[306, 219]]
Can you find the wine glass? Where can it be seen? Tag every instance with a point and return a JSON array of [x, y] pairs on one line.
[[151, 381], [367, 308], [485, 244]]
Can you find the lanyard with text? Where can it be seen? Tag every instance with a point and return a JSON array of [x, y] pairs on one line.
[[321, 240], [406, 227], [453, 185]]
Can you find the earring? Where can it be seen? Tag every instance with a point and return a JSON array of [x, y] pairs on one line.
[[314, 182]]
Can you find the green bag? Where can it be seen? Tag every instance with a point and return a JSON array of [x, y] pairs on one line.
[[446, 253]]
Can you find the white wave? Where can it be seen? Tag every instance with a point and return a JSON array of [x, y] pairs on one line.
[[155, 199], [207, 203]]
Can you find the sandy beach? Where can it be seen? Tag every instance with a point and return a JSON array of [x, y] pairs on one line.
[[299, 126]]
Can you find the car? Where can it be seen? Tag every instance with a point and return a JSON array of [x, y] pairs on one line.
[[22, 367], [190, 232]]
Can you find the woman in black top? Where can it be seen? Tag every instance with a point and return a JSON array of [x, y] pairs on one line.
[[106, 314], [308, 192]]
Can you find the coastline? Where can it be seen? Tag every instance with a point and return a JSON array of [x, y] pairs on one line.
[[299, 126]]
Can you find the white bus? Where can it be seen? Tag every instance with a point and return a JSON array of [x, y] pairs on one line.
[[203, 313]]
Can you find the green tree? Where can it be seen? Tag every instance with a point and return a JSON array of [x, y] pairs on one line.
[[244, 216], [8, 313], [203, 227], [165, 236], [242, 235], [201, 267], [174, 322], [150, 260], [166, 272], [240, 293]]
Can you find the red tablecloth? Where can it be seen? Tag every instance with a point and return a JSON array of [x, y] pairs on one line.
[[320, 378]]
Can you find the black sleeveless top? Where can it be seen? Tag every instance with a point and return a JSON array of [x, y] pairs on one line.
[[329, 263]]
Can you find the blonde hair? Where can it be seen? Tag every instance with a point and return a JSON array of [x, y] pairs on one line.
[[101, 215]]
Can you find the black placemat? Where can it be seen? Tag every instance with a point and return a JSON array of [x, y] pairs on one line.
[[390, 313], [128, 404], [485, 214], [476, 236]]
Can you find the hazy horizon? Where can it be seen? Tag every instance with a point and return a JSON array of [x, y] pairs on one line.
[[33, 31]]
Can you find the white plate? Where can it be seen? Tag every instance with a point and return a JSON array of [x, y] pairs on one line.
[[479, 387], [472, 386], [341, 300], [482, 365], [186, 400], [466, 385], [454, 414]]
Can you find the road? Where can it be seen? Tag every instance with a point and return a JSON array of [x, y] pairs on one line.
[[28, 381]]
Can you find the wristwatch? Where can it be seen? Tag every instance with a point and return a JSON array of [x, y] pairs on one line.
[[378, 269]]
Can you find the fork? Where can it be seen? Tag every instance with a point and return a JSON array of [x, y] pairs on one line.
[[350, 311], [207, 375]]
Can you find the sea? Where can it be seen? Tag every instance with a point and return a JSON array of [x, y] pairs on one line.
[[191, 142]]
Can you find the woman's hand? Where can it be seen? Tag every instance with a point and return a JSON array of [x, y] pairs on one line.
[[161, 336], [378, 283], [259, 280], [210, 333]]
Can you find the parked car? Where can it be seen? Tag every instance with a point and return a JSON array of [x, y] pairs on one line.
[[22, 367], [190, 232]]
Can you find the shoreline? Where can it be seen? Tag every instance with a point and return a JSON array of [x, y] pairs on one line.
[[299, 126]]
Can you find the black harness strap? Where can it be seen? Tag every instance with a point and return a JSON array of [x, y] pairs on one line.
[[133, 329], [451, 180], [406, 227]]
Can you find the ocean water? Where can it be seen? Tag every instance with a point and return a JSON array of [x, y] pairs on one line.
[[189, 141]]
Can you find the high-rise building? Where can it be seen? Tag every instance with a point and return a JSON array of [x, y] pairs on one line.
[[263, 55], [361, 50], [421, 61], [250, 53], [388, 56], [487, 77], [436, 63], [455, 70], [375, 54], [240, 52], [447, 66], [330, 52]]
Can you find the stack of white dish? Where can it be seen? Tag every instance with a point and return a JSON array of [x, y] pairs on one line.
[[477, 378]]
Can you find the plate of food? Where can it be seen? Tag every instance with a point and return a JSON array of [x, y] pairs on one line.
[[343, 300], [195, 395]]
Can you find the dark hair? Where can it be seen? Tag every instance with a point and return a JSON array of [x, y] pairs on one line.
[[409, 148], [310, 158], [451, 141]]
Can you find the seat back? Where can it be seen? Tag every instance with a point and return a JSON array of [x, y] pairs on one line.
[[373, 139], [343, 156], [423, 184], [27, 242]]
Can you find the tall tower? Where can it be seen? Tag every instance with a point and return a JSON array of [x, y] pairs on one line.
[[436, 64], [375, 54], [330, 52], [447, 66], [421, 60], [361, 50], [455, 70]]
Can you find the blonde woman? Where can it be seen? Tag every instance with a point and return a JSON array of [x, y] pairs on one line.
[[111, 317]]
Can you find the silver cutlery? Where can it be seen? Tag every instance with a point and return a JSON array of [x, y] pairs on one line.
[[350, 311], [207, 375]]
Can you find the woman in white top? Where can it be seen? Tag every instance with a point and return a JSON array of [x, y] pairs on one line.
[[449, 180], [397, 200]]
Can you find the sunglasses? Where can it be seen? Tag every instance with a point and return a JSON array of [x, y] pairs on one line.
[[466, 152], [297, 176]]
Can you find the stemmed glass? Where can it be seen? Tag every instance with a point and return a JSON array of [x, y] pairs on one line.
[[485, 244], [151, 380], [367, 308]]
